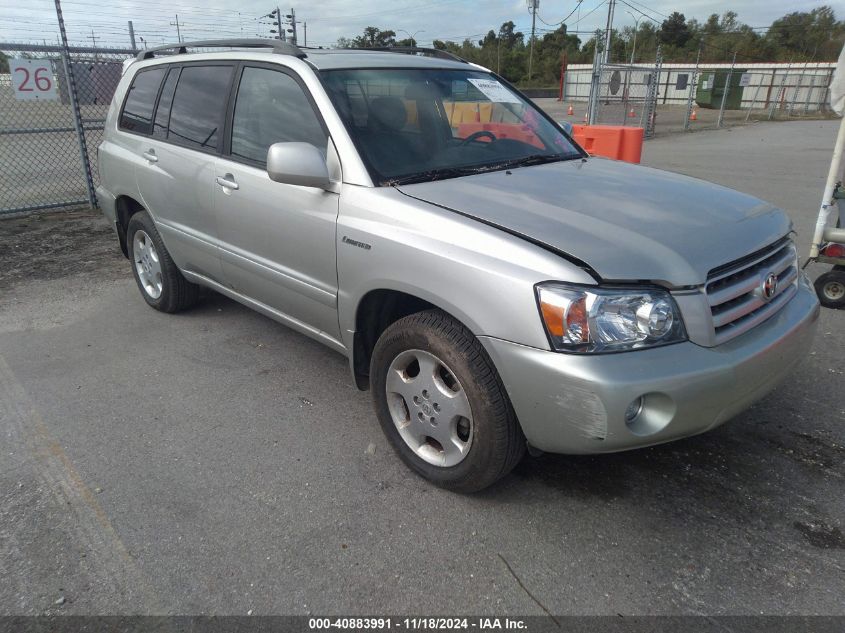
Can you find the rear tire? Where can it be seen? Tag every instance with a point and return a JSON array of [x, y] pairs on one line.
[[159, 280], [830, 288], [441, 403]]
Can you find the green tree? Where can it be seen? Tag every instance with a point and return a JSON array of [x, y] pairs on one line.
[[802, 35], [549, 52], [806, 35], [374, 37], [674, 30], [4, 63]]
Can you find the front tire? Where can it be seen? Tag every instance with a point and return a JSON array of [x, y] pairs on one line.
[[442, 404], [159, 280]]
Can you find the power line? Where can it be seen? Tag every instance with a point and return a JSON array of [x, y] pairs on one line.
[[577, 6], [647, 8], [640, 11], [593, 10]]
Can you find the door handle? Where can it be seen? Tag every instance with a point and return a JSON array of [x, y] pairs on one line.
[[150, 155], [227, 181]]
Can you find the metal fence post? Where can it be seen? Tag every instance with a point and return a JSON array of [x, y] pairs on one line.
[[692, 89], [822, 105], [726, 91], [595, 85], [73, 96], [780, 91], [810, 90], [650, 109], [798, 84], [754, 100]]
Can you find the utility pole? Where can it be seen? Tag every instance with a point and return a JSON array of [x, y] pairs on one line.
[[292, 17], [533, 5], [636, 30], [280, 29], [608, 34], [94, 39], [177, 24], [305, 31], [132, 36], [499, 54]]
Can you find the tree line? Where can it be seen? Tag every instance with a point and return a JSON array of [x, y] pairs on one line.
[[800, 36]]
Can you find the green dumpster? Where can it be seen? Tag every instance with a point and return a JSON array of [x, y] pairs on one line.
[[711, 87]]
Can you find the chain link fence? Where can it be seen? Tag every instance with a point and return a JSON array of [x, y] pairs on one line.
[[689, 97], [626, 95], [50, 102], [737, 95]]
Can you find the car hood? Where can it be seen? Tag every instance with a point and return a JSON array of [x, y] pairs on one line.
[[625, 222]]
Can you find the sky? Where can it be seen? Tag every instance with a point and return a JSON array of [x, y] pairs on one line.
[[105, 23]]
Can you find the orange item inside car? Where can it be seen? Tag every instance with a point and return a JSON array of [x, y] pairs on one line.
[[515, 131]]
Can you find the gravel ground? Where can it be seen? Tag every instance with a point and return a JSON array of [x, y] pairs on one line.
[[215, 462], [58, 244]]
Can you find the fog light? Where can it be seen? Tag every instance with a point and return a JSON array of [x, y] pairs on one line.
[[633, 411]]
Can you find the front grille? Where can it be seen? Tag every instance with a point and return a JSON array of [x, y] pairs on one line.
[[735, 291]]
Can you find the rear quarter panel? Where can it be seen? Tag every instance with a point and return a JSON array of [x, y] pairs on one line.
[[118, 152]]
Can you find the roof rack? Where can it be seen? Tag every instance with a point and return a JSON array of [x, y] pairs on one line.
[[416, 50], [278, 46]]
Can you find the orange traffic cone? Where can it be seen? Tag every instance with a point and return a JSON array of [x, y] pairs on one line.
[[632, 114], [693, 116], [570, 111]]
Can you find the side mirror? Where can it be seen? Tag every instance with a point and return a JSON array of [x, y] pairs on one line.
[[298, 164]]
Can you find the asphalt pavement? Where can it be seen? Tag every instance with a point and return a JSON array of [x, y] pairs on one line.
[[216, 462]]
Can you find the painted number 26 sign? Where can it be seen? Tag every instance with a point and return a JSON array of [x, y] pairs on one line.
[[33, 79]]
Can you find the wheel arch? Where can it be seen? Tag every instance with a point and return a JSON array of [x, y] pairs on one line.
[[377, 310], [125, 207]]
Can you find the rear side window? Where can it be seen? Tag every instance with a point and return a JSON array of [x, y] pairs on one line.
[[272, 108], [196, 115], [137, 115], [164, 103]]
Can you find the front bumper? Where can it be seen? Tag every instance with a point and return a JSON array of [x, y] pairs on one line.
[[568, 403]]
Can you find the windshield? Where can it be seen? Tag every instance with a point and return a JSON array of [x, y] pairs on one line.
[[413, 125]]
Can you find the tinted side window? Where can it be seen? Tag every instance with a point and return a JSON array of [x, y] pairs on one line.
[[196, 115], [137, 115], [272, 108], [164, 103]]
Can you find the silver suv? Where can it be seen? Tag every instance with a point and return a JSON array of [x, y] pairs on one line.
[[494, 287]]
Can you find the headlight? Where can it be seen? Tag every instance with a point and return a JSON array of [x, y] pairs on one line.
[[593, 319]]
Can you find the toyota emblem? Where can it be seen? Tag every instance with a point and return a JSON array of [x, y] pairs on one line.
[[770, 286]]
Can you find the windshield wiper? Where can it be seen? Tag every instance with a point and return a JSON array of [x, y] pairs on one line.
[[429, 175], [454, 172], [527, 161]]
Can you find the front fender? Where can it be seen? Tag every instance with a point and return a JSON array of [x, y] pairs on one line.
[[480, 275]]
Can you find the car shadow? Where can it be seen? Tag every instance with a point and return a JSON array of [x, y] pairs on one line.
[[742, 473], [752, 473]]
